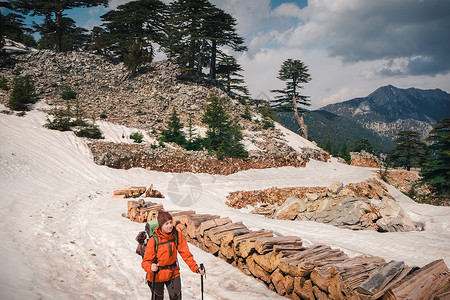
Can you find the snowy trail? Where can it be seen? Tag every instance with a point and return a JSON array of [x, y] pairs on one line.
[[63, 237]]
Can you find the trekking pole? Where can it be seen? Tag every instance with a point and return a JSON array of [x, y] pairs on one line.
[[202, 267], [153, 285]]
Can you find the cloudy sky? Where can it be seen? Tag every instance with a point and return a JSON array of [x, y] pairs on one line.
[[351, 47]]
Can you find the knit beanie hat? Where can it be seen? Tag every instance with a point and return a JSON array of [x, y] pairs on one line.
[[163, 217]]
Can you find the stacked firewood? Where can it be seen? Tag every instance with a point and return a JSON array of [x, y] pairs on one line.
[[317, 272], [141, 211], [292, 270], [135, 192]]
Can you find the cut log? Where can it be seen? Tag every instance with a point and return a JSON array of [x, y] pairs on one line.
[[302, 263], [244, 244], [379, 279], [321, 277], [212, 223], [265, 245], [277, 281], [425, 283], [303, 288], [134, 192], [269, 262], [288, 282], [243, 266], [257, 271], [213, 247], [216, 233], [290, 248], [319, 294], [227, 251], [443, 296], [228, 237], [193, 221], [351, 273]]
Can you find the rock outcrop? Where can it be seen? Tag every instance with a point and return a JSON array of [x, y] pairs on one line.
[[365, 205], [364, 159]]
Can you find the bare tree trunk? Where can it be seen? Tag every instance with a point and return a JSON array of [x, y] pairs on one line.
[[212, 70], [300, 121], [58, 33]]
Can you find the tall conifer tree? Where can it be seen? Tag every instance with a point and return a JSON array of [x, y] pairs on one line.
[[295, 73], [139, 22], [55, 8]]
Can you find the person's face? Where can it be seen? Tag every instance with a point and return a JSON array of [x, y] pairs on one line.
[[167, 227]]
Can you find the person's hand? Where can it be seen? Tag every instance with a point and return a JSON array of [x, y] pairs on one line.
[[201, 271], [154, 267]]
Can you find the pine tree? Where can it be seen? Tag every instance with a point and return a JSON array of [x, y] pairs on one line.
[[228, 74], [197, 29], [410, 150], [436, 171], [174, 133], [134, 23], [135, 56], [223, 135], [55, 7], [328, 147], [295, 73], [14, 28], [344, 152], [22, 94], [362, 144]]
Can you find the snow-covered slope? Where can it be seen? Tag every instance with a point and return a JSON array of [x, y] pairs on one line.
[[63, 237]]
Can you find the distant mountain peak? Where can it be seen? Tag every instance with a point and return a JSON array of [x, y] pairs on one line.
[[388, 106]]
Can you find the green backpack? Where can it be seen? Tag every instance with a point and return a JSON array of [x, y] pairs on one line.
[[144, 236]]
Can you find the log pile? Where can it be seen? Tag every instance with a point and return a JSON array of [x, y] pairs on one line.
[[141, 211], [292, 270], [136, 192]]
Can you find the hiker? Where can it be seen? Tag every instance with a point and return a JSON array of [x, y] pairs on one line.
[[162, 266]]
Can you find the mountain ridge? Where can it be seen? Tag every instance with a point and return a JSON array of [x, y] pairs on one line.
[[389, 109]]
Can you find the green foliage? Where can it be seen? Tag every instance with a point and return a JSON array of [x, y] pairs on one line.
[[174, 133], [246, 115], [22, 94], [192, 142], [13, 27], [323, 126], [295, 73], [129, 31], [436, 172], [410, 150], [4, 83], [136, 55], [90, 131], [61, 120], [384, 170], [268, 123], [68, 93], [56, 9], [103, 116], [328, 147], [223, 136], [344, 153], [196, 31], [137, 137], [228, 74], [362, 144]]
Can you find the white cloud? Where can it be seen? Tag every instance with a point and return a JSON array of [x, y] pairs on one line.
[[287, 10], [351, 47]]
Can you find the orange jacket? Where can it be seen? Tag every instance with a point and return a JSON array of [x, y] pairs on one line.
[[164, 258]]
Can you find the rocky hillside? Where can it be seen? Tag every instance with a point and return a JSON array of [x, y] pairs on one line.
[[389, 110], [144, 101]]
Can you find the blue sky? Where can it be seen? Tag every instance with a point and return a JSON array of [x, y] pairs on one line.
[[351, 47]]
